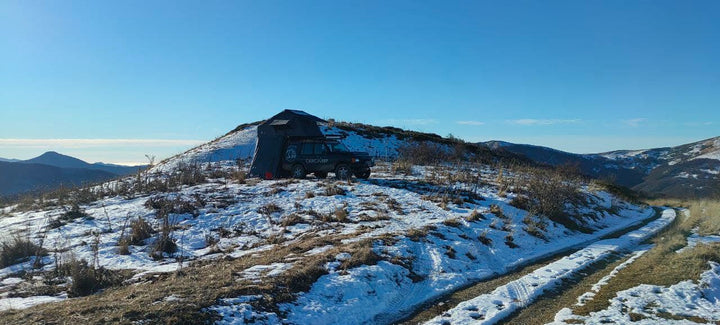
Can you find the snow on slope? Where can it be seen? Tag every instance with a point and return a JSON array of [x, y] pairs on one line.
[[233, 146], [385, 292], [503, 301], [650, 302]]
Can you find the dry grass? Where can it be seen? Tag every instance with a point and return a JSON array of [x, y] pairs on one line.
[[198, 287], [452, 222], [662, 265], [16, 249]]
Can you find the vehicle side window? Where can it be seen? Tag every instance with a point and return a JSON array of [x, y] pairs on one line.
[[320, 148], [307, 149]]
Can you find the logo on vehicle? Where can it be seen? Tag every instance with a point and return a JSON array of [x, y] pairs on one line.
[[316, 161], [291, 154]]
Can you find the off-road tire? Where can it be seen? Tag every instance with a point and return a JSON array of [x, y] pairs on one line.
[[342, 171], [298, 171]]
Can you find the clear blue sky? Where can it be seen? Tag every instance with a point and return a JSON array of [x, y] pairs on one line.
[[582, 76]]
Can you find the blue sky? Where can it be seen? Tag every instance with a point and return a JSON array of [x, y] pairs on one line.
[[115, 81]]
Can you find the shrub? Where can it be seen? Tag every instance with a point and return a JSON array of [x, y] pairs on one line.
[[483, 238], [139, 231], [75, 212], [341, 214], [332, 190], [17, 248], [416, 234], [423, 153], [547, 193], [453, 222], [269, 209], [474, 216], [291, 219], [86, 280]]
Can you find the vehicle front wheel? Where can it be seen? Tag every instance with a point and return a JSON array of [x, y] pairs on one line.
[[342, 172], [298, 171], [365, 174]]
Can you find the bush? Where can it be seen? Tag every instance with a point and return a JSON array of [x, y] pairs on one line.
[[483, 238], [332, 190], [16, 249], [86, 280], [75, 212], [139, 231], [423, 153]]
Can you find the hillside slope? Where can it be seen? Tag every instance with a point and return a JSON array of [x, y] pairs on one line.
[[690, 170], [194, 240]]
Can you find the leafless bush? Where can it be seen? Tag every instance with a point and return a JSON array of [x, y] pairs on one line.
[[452, 222], [474, 216], [333, 189], [18, 248], [483, 238], [269, 209], [423, 153], [547, 192], [291, 220], [85, 279]]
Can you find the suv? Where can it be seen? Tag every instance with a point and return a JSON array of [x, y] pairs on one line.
[[322, 156]]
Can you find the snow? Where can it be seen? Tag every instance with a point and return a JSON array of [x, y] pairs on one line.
[[685, 299], [694, 239], [606, 279], [504, 300], [22, 303], [385, 292], [366, 294], [237, 145]]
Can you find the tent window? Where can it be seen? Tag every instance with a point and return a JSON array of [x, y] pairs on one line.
[[307, 149]]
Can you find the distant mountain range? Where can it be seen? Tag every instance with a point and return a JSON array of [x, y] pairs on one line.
[[52, 170], [687, 171]]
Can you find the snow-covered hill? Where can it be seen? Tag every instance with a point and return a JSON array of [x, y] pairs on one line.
[[193, 238], [690, 170]]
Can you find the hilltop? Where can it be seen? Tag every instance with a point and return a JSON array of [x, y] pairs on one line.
[[193, 238]]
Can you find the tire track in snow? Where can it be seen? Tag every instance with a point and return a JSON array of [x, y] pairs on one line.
[[505, 300]]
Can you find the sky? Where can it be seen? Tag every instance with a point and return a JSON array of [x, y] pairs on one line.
[[114, 81]]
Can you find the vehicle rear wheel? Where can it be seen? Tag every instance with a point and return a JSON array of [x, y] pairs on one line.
[[365, 174], [298, 171], [342, 171], [320, 175]]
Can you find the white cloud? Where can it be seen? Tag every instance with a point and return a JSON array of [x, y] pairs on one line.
[[530, 121], [419, 121], [90, 143], [470, 122], [635, 122]]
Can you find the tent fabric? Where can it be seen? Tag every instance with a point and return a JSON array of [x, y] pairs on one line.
[[274, 133]]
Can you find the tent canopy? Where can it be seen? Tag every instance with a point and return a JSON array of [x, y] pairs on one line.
[[274, 133]]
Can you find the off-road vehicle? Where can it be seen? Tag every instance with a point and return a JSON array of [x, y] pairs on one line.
[[321, 156]]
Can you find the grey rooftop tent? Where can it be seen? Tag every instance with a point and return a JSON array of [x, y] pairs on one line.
[[272, 135]]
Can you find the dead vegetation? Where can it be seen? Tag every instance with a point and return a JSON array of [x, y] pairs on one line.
[[662, 265]]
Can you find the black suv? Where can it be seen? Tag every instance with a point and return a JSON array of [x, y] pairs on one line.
[[322, 156]]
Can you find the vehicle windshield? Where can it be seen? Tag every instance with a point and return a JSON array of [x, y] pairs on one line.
[[337, 147]]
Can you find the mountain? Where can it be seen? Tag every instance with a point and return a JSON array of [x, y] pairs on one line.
[[25, 177], [9, 160], [52, 158], [52, 170], [686, 171]]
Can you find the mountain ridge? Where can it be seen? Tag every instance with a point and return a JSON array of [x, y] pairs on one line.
[[687, 170]]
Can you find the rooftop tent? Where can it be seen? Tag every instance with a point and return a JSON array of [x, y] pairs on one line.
[[272, 135]]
